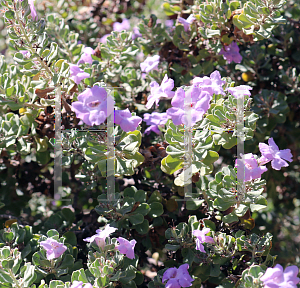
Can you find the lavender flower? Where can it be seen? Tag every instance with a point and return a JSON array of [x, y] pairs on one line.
[[251, 168], [103, 39], [201, 238], [26, 53], [200, 102], [86, 56], [33, 11], [150, 63], [231, 53], [212, 84], [125, 25], [178, 278], [240, 90], [78, 284], [155, 119], [77, 74], [126, 247], [126, 120], [164, 90], [169, 23], [93, 106], [186, 22], [136, 33], [53, 248], [277, 278], [101, 235], [273, 154]]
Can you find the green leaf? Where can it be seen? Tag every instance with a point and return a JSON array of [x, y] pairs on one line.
[[70, 238], [142, 228], [29, 275], [136, 219], [156, 209]]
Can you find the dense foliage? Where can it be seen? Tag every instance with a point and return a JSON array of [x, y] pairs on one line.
[[169, 76]]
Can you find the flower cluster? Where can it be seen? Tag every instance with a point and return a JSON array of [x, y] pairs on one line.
[[253, 168], [53, 248], [94, 106], [277, 278], [178, 278], [125, 247], [101, 235]]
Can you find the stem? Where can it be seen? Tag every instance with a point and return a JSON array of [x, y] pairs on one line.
[[30, 48], [14, 278], [34, 105]]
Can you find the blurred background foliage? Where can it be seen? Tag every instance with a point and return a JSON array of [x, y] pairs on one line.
[[270, 66]]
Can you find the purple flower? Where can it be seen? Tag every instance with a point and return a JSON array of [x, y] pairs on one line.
[[200, 102], [103, 39], [53, 248], [231, 53], [125, 25], [178, 278], [126, 247], [78, 284], [32, 9], [212, 84], [186, 22], [76, 74], [273, 154], [155, 119], [277, 278], [251, 168], [150, 63], [26, 53], [86, 56], [93, 106], [126, 120], [169, 23], [240, 90], [136, 33], [101, 235], [159, 92], [201, 238]]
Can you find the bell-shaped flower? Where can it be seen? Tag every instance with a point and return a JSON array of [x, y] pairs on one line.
[[250, 169], [154, 120], [86, 56], [125, 25], [186, 22], [126, 247], [164, 90], [150, 63], [239, 91], [231, 53], [212, 84], [272, 153], [136, 33], [201, 238], [126, 120], [101, 235], [178, 278], [77, 74], [277, 278], [93, 106], [53, 248], [183, 112]]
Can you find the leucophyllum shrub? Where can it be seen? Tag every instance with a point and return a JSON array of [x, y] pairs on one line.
[[181, 77]]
